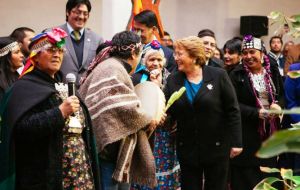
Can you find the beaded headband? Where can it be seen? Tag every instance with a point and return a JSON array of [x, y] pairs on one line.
[[40, 46], [127, 47], [250, 42], [8, 48]]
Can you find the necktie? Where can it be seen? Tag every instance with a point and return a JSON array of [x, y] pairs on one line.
[[76, 35]]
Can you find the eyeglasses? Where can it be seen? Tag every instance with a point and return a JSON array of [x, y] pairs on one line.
[[55, 49], [78, 13]]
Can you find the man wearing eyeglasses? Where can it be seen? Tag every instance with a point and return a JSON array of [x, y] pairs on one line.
[[209, 41], [81, 43]]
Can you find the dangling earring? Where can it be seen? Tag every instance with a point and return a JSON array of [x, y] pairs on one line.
[[262, 60]]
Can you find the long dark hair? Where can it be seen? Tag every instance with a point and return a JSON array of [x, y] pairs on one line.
[[7, 77]]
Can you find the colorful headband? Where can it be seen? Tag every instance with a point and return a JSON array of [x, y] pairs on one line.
[[41, 42], [250, 42], [154, 45], [45, 40], [8, 48]]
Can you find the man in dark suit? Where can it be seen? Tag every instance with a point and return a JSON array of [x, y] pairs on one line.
[[146, 25], [209, 41], [81, 43], [275, 54]]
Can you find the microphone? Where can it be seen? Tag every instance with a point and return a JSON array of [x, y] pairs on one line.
[[71, 79]]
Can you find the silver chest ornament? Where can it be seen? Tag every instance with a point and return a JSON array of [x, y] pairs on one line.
[[73, 122]]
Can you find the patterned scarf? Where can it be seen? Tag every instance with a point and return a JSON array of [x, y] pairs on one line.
[[264, 134]]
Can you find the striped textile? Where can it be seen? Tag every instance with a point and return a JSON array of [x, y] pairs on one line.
[[117, 114]]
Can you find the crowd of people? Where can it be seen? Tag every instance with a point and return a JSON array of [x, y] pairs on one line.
[[92, 132]]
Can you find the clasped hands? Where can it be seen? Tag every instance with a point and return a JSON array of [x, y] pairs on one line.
[[267, 114]]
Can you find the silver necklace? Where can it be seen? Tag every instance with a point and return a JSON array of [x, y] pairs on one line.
[[258, 81]]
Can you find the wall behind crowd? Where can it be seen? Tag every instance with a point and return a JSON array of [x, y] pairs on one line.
[[180, 18], [187, 17]]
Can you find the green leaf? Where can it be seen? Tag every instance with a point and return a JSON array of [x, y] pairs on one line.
[[274, 15], [295, 25], [293, 74], [296, 17], [279, 142], [268, 187], [286, 173], [296, 180], [175, 96], [268, 180], [269, 170]]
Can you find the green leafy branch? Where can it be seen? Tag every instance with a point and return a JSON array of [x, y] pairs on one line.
[[280, 142], [293, 22], [290, 181]]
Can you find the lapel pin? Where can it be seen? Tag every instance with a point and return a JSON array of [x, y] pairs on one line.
[[88, 40], [210, 86]]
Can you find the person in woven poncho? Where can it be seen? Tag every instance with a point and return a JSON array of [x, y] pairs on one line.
[[118, 119]]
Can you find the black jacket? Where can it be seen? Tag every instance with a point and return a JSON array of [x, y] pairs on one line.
[[249, 113], [208, 128], [171, 65], [35, 140]]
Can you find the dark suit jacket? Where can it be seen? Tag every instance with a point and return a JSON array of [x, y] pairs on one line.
[[170, 64], [70, 63], [215, 62], [208, 128]]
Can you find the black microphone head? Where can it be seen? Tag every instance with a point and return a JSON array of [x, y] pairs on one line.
[[70, 78]]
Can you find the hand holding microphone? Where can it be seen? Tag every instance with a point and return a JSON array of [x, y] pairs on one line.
[[71, 104]]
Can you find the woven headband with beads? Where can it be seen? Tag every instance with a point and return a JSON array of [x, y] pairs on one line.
[[127, 47], [40, 46], [250, 42], [8, 48]]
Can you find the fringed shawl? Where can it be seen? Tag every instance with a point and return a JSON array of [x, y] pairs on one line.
[[117, 114]]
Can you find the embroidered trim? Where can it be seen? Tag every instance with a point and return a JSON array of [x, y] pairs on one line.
[[43, 45], [8, 48]]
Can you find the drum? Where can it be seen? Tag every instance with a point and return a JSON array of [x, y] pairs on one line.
[[152, 98]]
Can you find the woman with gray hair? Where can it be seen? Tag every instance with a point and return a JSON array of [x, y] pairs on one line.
[[167, 166]]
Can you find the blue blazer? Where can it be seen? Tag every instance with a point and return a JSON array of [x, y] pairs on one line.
[[292, 92]]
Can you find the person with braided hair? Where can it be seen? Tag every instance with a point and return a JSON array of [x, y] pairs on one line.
[[259, 87]]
